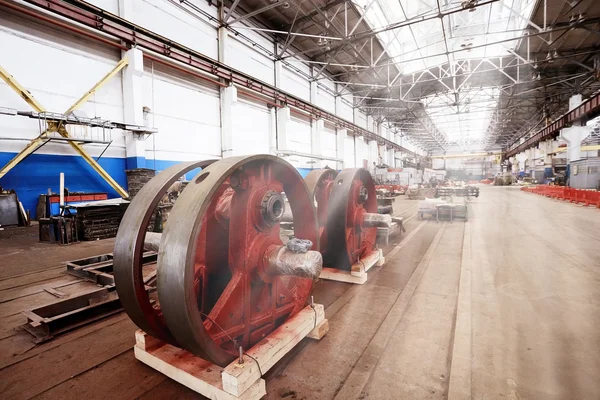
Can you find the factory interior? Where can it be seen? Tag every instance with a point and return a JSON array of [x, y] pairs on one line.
[[298, 200]]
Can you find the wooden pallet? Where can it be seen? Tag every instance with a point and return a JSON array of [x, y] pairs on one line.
[[236, 381], [358, 272]]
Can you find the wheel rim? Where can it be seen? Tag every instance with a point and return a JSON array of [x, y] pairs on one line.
[[348, 239], [250, 305], [129, 249], [320, 182]]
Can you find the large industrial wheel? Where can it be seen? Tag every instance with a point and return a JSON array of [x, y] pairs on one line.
[[320, 183], [129, 249], [212, 305], [349, 235]]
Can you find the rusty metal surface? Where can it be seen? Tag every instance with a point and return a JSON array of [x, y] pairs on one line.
[[320, 183], [129, 249], [348, 238], [212, 307]]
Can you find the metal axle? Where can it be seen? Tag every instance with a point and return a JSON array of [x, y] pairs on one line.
[[282, 261]]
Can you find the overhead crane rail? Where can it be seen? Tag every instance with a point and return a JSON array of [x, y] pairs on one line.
[[588, 109]]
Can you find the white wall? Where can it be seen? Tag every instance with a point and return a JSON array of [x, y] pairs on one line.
[[349, 158], [70, 68], [186, 114], [299, 134], [172, 22], [251, 128], [361, 119], [245, 58], [295, 84], [328, 143], [184, 109]]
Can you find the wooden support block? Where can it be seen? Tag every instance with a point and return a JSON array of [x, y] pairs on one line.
[[320, 331], [381, 260], [333, 274], [237, 378], [358, 272], [367, 262], [236, 381], [193, 372]]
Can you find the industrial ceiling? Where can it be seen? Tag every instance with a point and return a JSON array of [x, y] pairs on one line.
[[449, 75]]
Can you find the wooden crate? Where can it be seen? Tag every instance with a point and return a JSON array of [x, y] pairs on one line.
[[237, 380], [358, 272]]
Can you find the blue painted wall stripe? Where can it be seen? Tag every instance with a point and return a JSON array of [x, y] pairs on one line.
[[136, 162], [38, 172]]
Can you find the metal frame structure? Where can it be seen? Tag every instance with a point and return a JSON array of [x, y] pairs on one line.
[[59, 126], [588, 110], [177, 56], [549, 56]]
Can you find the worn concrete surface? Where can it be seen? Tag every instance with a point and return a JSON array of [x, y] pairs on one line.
[[535, 297], [531, 303], [532, 294]]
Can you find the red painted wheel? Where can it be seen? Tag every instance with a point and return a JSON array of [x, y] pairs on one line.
[[221, 289], [320, 183], [129, 249], [349, 238]]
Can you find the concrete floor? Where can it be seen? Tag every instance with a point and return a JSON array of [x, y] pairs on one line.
[[535, 297], [524, 326], [505, 306]]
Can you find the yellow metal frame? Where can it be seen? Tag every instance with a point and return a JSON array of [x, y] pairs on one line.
[[53, 127]]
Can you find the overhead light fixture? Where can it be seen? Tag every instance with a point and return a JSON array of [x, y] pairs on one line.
[[549, 58], [555, 54]]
